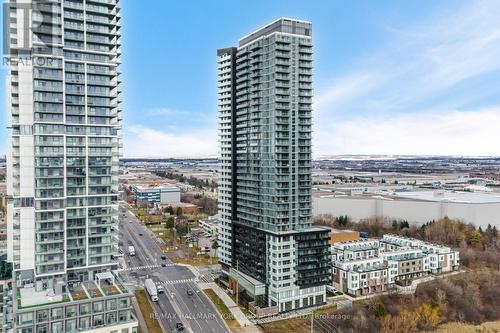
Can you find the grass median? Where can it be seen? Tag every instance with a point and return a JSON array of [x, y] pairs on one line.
[[152, 324], [226, 314], [301, 324]]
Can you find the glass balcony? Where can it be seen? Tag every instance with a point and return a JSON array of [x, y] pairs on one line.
[[73, 15]]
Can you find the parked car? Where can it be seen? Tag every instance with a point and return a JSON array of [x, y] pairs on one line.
[[331, 289]]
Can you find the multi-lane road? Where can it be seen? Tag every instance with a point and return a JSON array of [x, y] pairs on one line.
[[195, 311]]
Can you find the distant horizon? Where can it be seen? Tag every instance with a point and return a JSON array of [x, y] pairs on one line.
[[338, 156], [321, 157]]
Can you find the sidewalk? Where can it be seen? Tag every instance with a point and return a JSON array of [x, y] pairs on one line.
[[245, 323]]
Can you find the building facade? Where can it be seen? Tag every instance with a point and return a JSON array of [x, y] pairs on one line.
[[62, 166], [156, 194], [364, 276], [265, 109], [210, 225], [417, 207], [442, 259], [366, 266]]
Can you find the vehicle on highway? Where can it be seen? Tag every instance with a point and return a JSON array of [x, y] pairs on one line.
[[131, 251], [151, 289], [179, 327], [163, 265], [163, 257], [189, 292], [140, 234], [160, 289]]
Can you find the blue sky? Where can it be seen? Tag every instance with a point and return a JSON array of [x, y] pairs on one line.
[[390, 77]]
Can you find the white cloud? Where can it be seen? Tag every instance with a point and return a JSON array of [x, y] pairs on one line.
[[383, 105], [472, 133], [345, 89], [422, 60], [463, 45], [180, 114], [141, 141], [376, 108]]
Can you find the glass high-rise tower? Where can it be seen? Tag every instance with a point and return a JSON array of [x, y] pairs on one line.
[[267, 242], [62, 168]]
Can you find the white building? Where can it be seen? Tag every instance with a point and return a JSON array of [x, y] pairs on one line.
[[368, 266], [210, 225], [419, 207], [442, 259], [265, 110], [64, 111], [161, 194]]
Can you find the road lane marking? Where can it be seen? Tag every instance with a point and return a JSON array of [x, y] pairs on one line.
[[144, 267], [175, 281]]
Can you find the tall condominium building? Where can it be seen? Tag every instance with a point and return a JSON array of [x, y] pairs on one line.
[[62, 167], [268, 245]]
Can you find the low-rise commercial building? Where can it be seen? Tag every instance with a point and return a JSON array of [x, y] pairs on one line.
[[210, 225], [156, 194]]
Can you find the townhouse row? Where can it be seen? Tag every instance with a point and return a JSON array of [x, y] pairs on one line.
[[366, 266]]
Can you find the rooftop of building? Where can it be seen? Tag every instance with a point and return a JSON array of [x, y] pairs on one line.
[[281, 24], [341, 231], [451, 196], [105, 284], [362, 265], [404, 238], [210, 220], [181, 204], [162, 187], [358, 245], [311, 229]]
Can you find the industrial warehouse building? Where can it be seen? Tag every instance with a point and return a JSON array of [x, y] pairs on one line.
[[418, 207]]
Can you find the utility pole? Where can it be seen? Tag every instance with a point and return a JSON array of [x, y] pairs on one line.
[[237, 286], [312, 322]]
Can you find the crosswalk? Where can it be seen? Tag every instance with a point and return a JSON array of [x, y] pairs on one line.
[[136, 268], [208, 277], [175, 281]]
